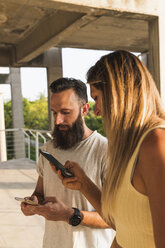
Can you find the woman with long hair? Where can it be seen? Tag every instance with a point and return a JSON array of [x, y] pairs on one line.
[[133, 197]]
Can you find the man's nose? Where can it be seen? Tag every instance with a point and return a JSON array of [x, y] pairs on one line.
[[58, 119]]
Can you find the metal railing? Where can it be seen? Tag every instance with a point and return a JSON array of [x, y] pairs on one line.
[[22, 143]]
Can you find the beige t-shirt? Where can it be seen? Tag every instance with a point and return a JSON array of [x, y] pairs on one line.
[[91, 155]]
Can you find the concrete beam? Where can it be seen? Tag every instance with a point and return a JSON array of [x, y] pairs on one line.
[[42, 38], [132, 6], [46, 59], [32, 46], [56, 5], [146, 7]]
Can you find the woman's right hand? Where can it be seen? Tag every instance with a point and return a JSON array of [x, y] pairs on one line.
[[77, 181], [80, 181]]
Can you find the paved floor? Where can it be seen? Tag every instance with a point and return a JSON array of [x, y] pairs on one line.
[[18, 178]]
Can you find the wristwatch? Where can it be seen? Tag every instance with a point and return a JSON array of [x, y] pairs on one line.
[[76, 218]]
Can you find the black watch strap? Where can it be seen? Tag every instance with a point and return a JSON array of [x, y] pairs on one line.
[[76, 218]]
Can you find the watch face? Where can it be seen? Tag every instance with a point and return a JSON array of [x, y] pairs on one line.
[[75, 220]]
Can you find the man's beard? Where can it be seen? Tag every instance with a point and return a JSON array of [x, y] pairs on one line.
[[65, 139]]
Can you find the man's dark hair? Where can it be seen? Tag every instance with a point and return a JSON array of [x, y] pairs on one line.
[[78, 86]]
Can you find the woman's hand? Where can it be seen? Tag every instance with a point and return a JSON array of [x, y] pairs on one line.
[[77, 181], [80, 181]]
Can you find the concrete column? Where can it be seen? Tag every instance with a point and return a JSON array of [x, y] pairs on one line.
[[17, 112], [154, 51], [54, 71], [145, 59], [157, 50], [3, 155], [162, 51]]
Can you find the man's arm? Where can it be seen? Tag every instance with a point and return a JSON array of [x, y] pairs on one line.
[[38, 192], [55, 210]]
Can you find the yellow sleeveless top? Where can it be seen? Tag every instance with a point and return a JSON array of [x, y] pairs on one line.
[[131, 211]]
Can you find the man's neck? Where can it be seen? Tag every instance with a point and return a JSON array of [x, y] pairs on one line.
[[87, 132]]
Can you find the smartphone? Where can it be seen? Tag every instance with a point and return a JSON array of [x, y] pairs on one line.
[[27, 201], [64, 171]]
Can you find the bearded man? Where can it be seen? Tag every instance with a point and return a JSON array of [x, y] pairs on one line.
[[70, 220]]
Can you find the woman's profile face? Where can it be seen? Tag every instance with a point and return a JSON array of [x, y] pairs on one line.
[[97, 97]]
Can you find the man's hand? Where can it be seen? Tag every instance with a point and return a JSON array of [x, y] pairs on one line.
[[54, 209], [26, 208]]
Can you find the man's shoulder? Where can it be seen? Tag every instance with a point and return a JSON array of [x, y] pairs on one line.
[[100, 138], [98, 143]]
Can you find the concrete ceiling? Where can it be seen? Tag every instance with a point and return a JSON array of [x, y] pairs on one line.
[[29, 28]]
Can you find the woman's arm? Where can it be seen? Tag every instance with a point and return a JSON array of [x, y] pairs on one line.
[[152, 167], [81, 182], [92, 193], [84, 184]]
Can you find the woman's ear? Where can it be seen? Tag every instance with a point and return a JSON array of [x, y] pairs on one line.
[[84, 109]]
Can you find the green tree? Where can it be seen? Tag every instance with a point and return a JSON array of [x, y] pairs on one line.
[[8, 115], [36, 114]]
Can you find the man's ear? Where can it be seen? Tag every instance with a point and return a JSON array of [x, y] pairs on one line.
[[84, 109]]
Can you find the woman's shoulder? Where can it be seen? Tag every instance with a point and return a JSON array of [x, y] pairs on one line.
[[151, 154], [153, 141]]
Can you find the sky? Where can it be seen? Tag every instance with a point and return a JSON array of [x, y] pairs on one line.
[[76, 63]]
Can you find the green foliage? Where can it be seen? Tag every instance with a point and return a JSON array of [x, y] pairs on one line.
[[94, 122], [35, 117], [36, 114], [8, 115]]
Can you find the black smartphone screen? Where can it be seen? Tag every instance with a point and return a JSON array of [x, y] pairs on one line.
[[65, 172]]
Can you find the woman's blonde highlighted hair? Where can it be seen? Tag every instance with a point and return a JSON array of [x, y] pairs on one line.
[[131, 105]]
